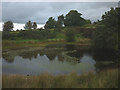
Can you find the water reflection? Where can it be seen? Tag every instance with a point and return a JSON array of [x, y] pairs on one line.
[[87, 59], [105, 55], [57, 59], [8, 58], [42, 64]]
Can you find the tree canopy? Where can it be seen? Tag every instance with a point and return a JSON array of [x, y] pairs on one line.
[[60, 21], [110, 18], [28, 25], [34, 26], [73, 18], [106, 35], [51, 23], [8, 26]]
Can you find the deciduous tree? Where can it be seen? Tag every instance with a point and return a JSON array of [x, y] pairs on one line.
[[51, 23], [73, 18], [28, 25], [60, 21], [106, 35], [8, 26], [34, 26]]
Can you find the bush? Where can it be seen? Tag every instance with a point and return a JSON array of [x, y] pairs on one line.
[[70, 35], [8, 35], [105, 38], [86, 32], [29, 34]]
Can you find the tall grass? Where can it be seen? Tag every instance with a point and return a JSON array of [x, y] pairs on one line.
[[13, 45], [104, 79]]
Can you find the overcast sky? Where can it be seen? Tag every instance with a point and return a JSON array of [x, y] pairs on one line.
[[21, 12]]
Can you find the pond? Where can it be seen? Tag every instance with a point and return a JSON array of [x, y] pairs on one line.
[[58, 59]]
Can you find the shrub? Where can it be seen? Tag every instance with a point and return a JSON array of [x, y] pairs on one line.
[[33, 34], [70, 35], [8, 35]]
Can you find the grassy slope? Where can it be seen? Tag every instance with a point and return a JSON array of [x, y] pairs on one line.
[[60, 38], [13, 44], [104, 79]]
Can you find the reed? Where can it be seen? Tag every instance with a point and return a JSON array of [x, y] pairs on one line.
[[104, 79]]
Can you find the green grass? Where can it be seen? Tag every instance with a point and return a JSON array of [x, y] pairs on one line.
[[19, 44], [104, 79], [89, 26], [15, 44], [26, 43], [79, 36], [60, 36]]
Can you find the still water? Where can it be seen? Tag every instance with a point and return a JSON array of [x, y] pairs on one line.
[[58, 59]]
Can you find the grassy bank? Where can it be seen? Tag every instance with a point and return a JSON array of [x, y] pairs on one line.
[[104, 79], [20, 44], [41, 38]]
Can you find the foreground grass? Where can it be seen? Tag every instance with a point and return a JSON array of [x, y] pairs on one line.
[[104, 79]]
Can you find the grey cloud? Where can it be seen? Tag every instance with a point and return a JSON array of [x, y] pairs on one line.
[[38, 11]]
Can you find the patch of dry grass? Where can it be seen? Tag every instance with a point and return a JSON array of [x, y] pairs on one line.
[[104, 79]]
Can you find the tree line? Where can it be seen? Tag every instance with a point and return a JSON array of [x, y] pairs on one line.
[[73, 18], [105, 36]]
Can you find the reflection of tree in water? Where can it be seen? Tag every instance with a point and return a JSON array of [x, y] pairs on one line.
[[58, 46], [101, 65], [51, 56], [70, 47], [106, 59], [26, 55], [79, 53], [70, 53], [29, 54], [51, 53], [71, 60], [61, 57], [60, 54], [8, 57], [105, 55]]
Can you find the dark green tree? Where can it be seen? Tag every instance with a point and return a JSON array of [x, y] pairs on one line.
[[28, 25], [60, 21], [106, 35], [73, 18], [8, 26], [88, 22], [51, 23], [34, 26], [110, 18]]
